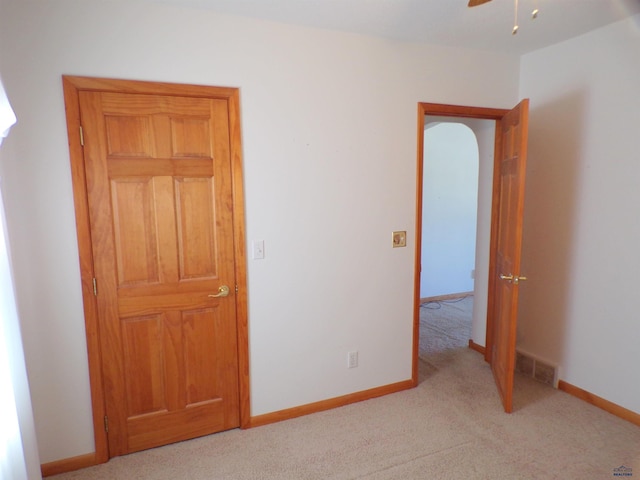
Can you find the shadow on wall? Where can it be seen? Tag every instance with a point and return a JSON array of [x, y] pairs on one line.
[[551, 195]]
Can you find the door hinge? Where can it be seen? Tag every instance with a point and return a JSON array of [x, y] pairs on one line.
[[236, 288], [95, 286], [81, 136], [106, 424]]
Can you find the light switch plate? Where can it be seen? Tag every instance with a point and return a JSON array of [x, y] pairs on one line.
[[258, 249], [399, 239]]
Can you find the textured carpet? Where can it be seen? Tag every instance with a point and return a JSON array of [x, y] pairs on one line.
[[450, 427], [445, 324]]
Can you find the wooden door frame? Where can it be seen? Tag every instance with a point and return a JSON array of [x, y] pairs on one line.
[[72, 86], [444, 110]]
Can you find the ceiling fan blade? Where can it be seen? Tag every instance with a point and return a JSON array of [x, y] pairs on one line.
[[475, 3]]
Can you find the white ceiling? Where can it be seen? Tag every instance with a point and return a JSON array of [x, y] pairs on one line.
[[444, 22]]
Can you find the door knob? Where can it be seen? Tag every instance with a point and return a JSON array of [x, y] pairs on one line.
[[511, 278], [223, 291]]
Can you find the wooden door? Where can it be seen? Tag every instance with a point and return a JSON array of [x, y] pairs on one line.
[[511, 176], [159, 191]]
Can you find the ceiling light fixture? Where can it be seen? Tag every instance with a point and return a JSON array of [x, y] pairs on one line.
[[534, 13]]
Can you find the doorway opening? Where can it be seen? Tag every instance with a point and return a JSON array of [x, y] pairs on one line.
[[449, 218], [504, 232], [456, 224], [483, 122]]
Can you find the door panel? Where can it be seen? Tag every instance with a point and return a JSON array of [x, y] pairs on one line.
[[512, 165], [158, 174], [134, 223], [199, 328], [128, 136], [190, 137], [143, 359], [196, 234]]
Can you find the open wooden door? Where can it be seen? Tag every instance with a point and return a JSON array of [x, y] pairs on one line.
[[511, 157]]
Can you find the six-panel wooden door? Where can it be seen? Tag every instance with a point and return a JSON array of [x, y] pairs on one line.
[[158, 174], [512, 165]]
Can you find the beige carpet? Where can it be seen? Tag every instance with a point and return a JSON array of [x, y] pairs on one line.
[[445, 324], [450, 427]]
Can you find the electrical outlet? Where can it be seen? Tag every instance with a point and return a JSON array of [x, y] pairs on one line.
[[352, 360]]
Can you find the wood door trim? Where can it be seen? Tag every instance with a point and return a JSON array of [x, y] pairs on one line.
[[72, 86], [438, 109], [442, 110], [242, 314], [80, 200]]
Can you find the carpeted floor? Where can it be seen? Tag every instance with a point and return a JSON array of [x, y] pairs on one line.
[[445, 324], [450, 427]]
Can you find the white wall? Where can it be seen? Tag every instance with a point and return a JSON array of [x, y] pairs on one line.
[[450, 204], [329, 136], [485, 132], [19, 459], [18, 445], [582, 229]]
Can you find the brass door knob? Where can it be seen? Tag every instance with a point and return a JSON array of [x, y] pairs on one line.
[[223, 291], [511, 278]]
